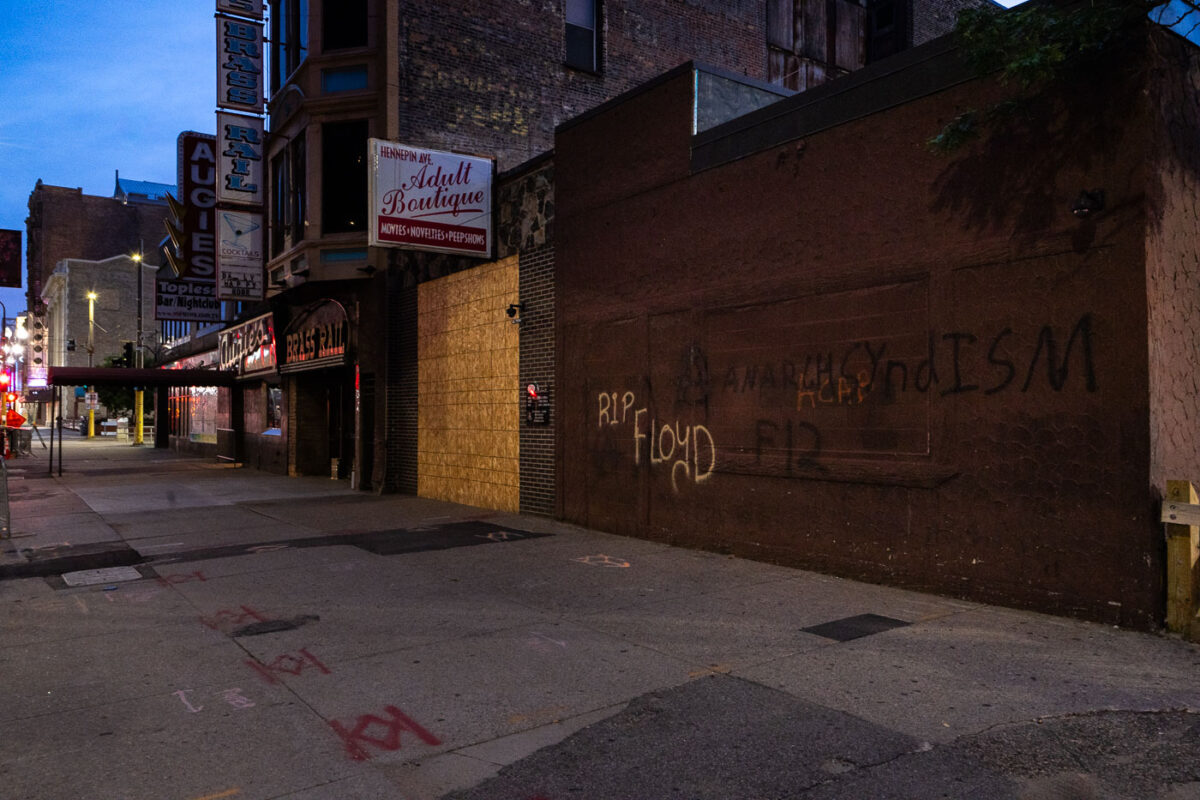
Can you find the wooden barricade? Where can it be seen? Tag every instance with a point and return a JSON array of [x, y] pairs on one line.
[[1181, 513]]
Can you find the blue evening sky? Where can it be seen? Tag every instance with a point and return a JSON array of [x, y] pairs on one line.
[[88, 88]]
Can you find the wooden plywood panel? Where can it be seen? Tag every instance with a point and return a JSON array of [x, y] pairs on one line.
[[468, 393]]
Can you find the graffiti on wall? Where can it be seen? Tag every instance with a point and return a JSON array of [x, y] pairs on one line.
[[686, 452], [949, 364], [786, 410], [877, 376]]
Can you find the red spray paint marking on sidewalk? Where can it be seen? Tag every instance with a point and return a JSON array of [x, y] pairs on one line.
[[289, 664], [354, 738]]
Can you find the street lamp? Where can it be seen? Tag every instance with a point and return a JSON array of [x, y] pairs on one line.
[[91, 348], [138, 399], [91, 343], [138, 259]]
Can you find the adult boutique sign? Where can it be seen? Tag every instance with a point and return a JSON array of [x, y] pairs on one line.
[[430, 200]]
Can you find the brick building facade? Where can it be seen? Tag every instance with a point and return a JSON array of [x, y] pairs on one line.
[[75, 241], [465, 77], [803, 337], [66, 223], [469, 78]]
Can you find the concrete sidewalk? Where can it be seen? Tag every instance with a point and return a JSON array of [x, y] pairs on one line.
[[257, 636]]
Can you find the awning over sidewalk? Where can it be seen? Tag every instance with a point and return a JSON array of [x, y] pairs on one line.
[[119, 376]]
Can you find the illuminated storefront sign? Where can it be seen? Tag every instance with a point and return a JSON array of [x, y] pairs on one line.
[[317, 338], [239, 255], [191, 296], [249, 348], [430, 200]]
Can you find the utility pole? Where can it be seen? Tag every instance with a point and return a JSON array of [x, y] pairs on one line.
[[91, 348], [138, 399]]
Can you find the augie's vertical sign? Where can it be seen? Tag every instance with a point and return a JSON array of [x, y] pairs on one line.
[[188, 291]]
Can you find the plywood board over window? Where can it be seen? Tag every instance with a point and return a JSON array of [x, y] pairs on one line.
[[468, 441]]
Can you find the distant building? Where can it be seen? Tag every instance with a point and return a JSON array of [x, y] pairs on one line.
[[76, 240], [129, 191], [66, 223], [65, 304]]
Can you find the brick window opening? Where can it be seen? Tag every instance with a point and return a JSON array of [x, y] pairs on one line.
[[583, 34], [288, 205], [344, 24], [344, 177], [289, 38], [887, 28]]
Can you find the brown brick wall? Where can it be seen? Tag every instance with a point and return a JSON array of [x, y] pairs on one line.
[[399, 461], [1173, 268], [65, 223], [487, 76], [848, 353]]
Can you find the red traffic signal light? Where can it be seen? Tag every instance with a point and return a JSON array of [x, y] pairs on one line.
[[4, 379], [11, 397]]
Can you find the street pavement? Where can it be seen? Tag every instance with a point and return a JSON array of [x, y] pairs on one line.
[[180, 629]]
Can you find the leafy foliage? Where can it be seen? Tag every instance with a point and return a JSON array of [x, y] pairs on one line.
[[1037, 44], [117, 399]]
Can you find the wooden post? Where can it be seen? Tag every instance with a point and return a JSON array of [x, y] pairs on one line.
[[1183, 574]]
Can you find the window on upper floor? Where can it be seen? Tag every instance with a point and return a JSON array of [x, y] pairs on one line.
[[343, 24], [288, 206], [583, 34], [887, 28], [289, 38], [344, 177]]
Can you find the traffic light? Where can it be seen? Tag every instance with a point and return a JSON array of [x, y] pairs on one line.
[[11, 397], [4, 381], [128, 358], [37, 341]]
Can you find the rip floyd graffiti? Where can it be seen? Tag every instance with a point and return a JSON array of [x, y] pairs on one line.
[[688, 451]]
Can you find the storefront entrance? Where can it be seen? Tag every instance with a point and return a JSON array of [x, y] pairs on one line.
[[322, 423]]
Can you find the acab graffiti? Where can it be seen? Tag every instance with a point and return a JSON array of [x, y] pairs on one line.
[[687, 451]]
